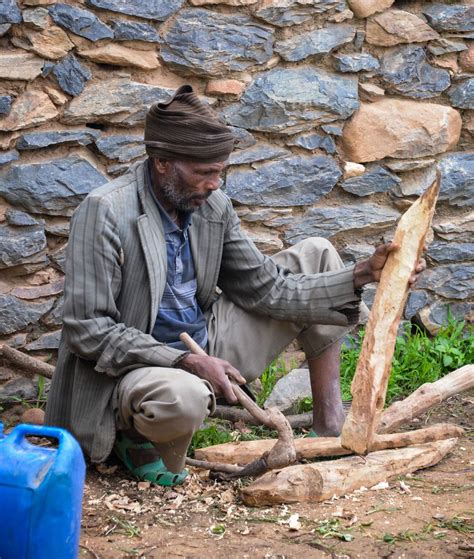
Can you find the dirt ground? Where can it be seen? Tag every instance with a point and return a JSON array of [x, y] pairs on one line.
[[427, 514]]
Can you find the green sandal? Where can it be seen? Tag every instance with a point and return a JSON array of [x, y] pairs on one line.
[[154, 472], [312, 435]]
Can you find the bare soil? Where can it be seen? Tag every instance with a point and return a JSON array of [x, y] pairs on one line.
[[429, 514]]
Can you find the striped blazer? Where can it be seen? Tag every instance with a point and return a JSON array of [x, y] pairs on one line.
[[115, 277]]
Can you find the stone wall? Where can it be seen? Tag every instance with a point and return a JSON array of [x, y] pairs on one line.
[[342, 110]]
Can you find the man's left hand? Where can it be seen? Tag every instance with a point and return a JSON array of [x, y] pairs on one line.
[[370, 270]]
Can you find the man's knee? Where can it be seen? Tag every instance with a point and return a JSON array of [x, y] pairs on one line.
[[315, 255], [193, 400]]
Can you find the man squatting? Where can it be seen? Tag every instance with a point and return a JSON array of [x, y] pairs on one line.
[[159, 251]]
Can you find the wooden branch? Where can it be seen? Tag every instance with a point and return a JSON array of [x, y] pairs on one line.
[[369, 386], [234, 414], [425, 397], [30, 366], [312, 483], [308, 448], [282, 453]]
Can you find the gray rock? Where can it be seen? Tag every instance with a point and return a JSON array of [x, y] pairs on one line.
[[443, 252], [72, 76], [54, 318], [123, 148], [457, 178], [134, 31], [17, 314], [313, 141], [53, 188], [8, 156], [23, 245], [210, 44], [417, 299], [50, 340], [445, 46], [58, 258], [404, 165], [440, 313], [4, 28], [407, 72], [38, 18], [358, 62], [21, 219], [462, 94], [158, 10], [455, 228], [416, 182], [453, 282], [5, 104], [9, 12], [368, 294], [319, 41], [290, 100], [39, 140], [375, 179], [328, 221], [293, 181], [60, 229], [450, 17], [261, 214], [118, 169], [243, 137], [289, 390], [18, 389], [259, 152], [284, 13], [117, 101], [351, 253], [81, 22], [333, 129]]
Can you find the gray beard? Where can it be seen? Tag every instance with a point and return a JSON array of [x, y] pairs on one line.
[[173, 196]]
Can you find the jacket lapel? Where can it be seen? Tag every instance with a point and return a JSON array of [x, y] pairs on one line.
[[152, 239], [205, 236]]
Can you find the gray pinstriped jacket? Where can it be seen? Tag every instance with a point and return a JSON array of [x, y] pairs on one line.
[[115, 276]]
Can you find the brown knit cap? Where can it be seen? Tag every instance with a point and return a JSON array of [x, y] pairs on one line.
[[186, 128]]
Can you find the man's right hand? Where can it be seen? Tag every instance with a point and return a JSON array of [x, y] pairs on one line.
[[214, 370]]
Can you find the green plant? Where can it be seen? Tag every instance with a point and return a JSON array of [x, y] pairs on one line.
[[270, 375], [217, 432]]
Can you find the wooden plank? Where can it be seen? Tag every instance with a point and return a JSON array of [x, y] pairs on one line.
[[312, 483], [373, 368], [425, 397], [247, 452]]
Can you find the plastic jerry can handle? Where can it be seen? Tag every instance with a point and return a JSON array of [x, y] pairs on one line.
[[25, 430]]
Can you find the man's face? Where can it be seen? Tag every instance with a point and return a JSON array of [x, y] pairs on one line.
[[187, 185]]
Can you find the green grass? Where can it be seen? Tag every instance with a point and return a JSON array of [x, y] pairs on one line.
[[418, 358]]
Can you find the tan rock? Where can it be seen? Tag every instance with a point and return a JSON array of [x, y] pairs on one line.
[[51, 43], [448, 61], [20, 66], [466, 59], [396, 26], [119, 55], [400, 129], [225, 87], [57, 97], [341, 16], [29, 109], [352, 169], [365, 8], [33, 416], [228, 2], [370, 91], [38, 2]]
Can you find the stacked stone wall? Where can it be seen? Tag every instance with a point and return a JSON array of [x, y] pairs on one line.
[[342, 109]]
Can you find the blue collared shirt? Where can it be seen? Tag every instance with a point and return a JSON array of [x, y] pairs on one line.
[[179, 310]]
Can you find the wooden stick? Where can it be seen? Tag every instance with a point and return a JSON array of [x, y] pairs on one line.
[[282, 453], [30, 366], [309, 448], [312, 483], [425, 397], [233, 414], [369, 386]]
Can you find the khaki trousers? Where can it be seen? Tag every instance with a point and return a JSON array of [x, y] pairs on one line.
[[167, 405]]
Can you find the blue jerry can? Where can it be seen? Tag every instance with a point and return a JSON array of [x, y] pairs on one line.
[[40, 495]]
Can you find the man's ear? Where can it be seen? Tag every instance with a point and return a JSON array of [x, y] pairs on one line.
[[161, 166]]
